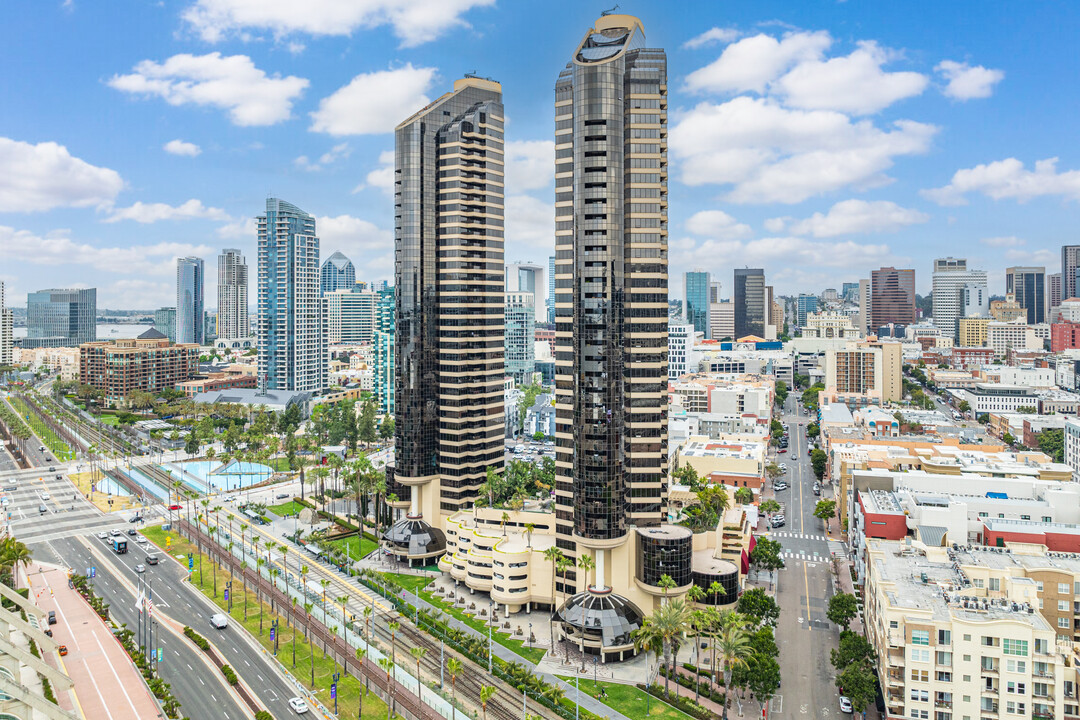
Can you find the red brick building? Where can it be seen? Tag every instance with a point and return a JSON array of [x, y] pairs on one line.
[[1064, 335], [966, 357], [149, 362], [217, 381]]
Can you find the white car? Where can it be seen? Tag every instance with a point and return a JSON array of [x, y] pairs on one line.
[[219, 621], [298, 705], [45, 496], [845, 704], [140, 539], [103, 536]]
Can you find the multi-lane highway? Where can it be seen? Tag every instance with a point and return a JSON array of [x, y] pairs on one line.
[[197, 686]]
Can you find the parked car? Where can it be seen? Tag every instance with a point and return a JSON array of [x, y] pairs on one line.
[[817, 489], [63, 650], [845, 704], [52, 617], [777, 521]]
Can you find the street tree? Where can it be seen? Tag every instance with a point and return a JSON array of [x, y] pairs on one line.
[[759, 607], [769, 507], [744, 496], [858, 681], [843, 608], [818, 460], [853, 648], [824, 511]]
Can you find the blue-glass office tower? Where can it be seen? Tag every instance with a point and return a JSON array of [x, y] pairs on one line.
[[338, 273], [697, 301], [190, 312], [60, 318], [1028, 284], [805, 305], [292, 345]]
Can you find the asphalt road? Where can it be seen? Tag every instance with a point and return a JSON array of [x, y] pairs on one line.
[[804, 586], [188, 606]]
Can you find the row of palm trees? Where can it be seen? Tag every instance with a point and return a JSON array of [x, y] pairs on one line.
[[728, 633]]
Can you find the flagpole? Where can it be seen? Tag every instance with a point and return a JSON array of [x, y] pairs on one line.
[[138, 607]]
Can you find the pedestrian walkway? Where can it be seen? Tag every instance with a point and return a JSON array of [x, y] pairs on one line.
[[803, 556], [795, 535], [838, 550], [845, 584]]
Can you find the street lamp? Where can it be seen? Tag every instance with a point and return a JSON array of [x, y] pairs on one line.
[[333, 690], [274, 635], [228, 594]]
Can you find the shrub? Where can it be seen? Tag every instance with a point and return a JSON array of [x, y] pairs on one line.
[[198, 639], [263, 715], [230, 675]]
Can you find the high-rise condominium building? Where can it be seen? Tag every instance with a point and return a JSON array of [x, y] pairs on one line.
[[751, 302], [865, 302], [383, 384], [974, 302], [1054, 284], [61, 318], [550, 303], [805, 305], [520, 336], [1028, 286], [524, 277], [349, 316], [165, 322], [696, 307], [1070, 262], [611, 320], [232, 312], [950, 277], [449, 280], [189, 301], [892, 297], [6, 323], [338, 273], [292, 343]]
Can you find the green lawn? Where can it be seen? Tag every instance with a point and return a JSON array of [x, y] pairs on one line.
[[280, 464], [627, 699], [109, 419], [244, 604], [48, 437], [289, 508], [412, 583], [520, 647], [358, 546]]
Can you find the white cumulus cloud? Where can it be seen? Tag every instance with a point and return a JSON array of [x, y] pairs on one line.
[[530, 227], [179, 147], [366, 244], [146, 213], [1008, 180], [338, 152], [856, 216], [413, 21], [717, 224], [242, 228], [965, 82], [752, 63], [232, 83], [711, 36], [381, 177], [769, 153], [58, 249], [375, 102], [854, 83], [1003, 241], [530, 165], [45, 176]]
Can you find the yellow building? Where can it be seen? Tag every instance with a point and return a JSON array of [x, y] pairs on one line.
[[973, 331]]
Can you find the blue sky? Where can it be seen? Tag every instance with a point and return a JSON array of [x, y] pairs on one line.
[[817, 139]]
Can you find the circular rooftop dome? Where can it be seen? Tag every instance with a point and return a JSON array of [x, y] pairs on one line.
[[415, 538], [610, 616]]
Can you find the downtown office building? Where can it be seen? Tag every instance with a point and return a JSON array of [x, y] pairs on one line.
[[60, 318], [292, 344], [449, 284]]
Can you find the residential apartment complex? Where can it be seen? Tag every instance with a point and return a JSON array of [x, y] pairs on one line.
[[190, 309], [232, 292], [150, 363], [349, 316]]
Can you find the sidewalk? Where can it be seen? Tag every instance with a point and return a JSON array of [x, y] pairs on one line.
[[845, 584], [107, 683]]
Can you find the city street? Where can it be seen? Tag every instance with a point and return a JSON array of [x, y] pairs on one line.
[[804, 586], [198, 686]]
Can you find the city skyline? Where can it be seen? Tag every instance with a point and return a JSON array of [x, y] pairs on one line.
[[182, 178]]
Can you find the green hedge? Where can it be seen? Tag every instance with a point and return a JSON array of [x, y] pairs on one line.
[[688, 706], [230, 675], [196, 638]]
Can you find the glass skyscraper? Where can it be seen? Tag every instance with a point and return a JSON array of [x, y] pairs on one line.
[[611, 318], [697, 301], [61, 318], [232, 312], [190, 312], [383, 341], [165, 322], [338, 273], [292, 344], [1028, 284], [520, 336], [805, 305], [751, 302], [449, 282]]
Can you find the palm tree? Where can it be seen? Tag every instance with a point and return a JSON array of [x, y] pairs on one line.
[[360, 653], [243, 584], [666, 583], [393, 627], [562, 565], [367, 620], [734, 646], [503, 520], [663, 629], [699, 620], [454, 667], [311, 643], [342, 601], [293, 635], [486, 693], [529, 527], [586, 563], [388, 665], [259, 562], [418, 654]]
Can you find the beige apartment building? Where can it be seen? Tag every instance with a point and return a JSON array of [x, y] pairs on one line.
[[976, 634], [864, 373], [973, 331]]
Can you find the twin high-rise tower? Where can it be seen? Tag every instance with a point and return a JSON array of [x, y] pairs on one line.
[[611, 312]]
